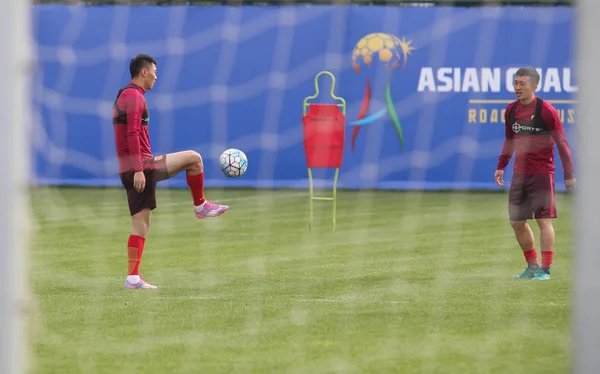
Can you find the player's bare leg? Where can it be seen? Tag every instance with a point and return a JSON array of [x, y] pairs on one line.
[[526, 240], [524, 234], [547, 246], [191, 163], [135, 247]]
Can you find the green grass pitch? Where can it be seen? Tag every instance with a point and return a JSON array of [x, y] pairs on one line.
[[408, 283]]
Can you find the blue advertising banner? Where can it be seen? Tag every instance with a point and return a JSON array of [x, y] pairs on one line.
[[425, 88]]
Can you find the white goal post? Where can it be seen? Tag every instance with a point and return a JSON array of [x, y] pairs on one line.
[[586, 285], [15, 109]]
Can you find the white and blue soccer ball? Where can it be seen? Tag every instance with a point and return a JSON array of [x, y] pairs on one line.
[[233, 163]]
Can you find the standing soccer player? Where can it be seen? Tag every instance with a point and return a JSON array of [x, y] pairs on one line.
[[140, 170], [532, 129]]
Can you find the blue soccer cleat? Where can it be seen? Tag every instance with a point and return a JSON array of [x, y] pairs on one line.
[[529, 272], [542, 275]]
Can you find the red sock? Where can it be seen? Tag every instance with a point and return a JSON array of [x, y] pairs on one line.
[[135, 248], [547, 259], [531, 257], [196, 184]]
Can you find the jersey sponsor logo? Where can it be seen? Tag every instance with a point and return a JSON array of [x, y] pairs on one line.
[[146, 116], [526, 129]]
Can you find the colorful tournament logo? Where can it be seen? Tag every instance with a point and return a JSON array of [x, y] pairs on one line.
[[379, 48]]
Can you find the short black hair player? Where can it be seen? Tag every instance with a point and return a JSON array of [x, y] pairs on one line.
[[140, 170], [532, 128]]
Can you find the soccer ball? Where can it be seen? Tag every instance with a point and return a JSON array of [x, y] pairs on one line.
[[233, 163]]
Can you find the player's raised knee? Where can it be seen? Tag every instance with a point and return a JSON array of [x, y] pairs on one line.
[[196, 158], [195, 161]]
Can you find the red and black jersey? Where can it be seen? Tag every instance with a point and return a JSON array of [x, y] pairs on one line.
[[130, 123], [531, 132]]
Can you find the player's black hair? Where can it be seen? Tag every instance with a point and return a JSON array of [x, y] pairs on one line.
[[529, 72], [138, 63]]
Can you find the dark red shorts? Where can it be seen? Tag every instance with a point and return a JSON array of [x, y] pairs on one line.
[[155, 170], [531, 196]]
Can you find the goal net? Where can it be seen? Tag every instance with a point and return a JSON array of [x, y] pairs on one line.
[[416, 276]]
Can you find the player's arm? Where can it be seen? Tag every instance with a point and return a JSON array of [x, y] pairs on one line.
[[508, 148], [554, 124], [134, 108]]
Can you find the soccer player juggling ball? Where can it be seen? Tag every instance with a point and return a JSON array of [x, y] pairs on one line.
[[140, 170], [532, 129]]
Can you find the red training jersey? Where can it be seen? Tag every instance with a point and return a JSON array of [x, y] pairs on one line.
[[531, 132], [130, 125]]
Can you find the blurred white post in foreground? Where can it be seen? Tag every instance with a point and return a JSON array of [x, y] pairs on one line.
[[586, 305], [15, 114]]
